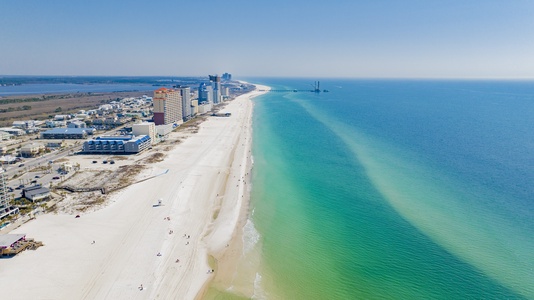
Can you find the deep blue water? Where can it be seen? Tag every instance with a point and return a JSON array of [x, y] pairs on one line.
[[395, 189]]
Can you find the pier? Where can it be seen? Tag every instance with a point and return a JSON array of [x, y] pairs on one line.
[[315, 89]]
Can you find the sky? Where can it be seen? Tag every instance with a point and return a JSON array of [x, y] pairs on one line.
[[299, 38]]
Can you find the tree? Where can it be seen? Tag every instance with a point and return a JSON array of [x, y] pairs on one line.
[[58, 109]]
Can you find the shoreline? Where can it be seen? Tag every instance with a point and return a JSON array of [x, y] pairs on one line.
[[201, 201], [227, 259]]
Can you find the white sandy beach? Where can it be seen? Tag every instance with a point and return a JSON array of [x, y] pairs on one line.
[[203, 195]]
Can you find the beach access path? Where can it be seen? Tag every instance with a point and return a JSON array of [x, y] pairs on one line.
[[110, 253]]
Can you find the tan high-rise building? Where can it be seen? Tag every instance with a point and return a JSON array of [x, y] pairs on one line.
[[167, 106]]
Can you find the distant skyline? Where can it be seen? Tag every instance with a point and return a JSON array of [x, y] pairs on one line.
[[370, 39]]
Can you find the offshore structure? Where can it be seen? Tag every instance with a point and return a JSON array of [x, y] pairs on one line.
[[316, 89]]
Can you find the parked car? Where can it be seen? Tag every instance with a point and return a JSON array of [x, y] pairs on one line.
[[55, 177], [37, 176], [111, 161], [94, 161], [21, 165], [105, 162]]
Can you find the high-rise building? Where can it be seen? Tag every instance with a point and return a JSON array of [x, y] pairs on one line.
[[186, 102], [167, 106], [227, 76], [205, 93], [216, 85], [5, 209]]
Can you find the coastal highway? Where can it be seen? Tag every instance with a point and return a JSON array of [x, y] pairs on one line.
[[31, 163]]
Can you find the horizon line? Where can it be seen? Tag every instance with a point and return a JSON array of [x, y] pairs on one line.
[[291, 77]]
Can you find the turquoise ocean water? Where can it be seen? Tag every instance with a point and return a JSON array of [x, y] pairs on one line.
[[390, 189]]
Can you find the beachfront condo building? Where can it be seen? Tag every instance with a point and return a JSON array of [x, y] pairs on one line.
[[205, 93], [215, 81], [227, 76], [167, 106], [145, 128], [186, 102], [5, 208], [3, 193]]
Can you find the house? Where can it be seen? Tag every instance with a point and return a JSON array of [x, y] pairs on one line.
[[31, 149], [76, 124]]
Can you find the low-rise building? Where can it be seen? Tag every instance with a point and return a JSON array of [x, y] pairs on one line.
[[61, 117], [10, 242], [145, 128], [125, 144], [5, 208], [67, 133], [54, 123], [164, 130], [4, 136], [29, 124], [194, 107], [204, 108], [31, 149], [76, 124], [13, 131], [56, 144], [36, 193]]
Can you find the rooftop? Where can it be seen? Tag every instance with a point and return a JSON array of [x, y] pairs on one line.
[[7, 240], [68, 130]]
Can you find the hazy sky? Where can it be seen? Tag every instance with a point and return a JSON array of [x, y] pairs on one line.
[[335, 38]]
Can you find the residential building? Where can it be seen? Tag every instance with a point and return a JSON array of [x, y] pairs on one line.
[[61, 117], [13, 131], [54, 124], [145, 128], [30, 124], [215, 81], [4, 136], [204, 108], [164, 130], [3, 148], [125, 144], [227, 76], [76, 124], [167, 106], [5, 208], [186, 102], [67, 133], [31, 149]]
